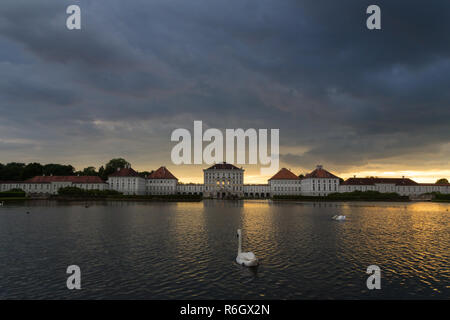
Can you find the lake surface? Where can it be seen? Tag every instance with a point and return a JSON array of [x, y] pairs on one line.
[[137, 250]]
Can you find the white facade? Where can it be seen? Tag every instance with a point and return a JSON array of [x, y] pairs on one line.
[[407, 189], [257, 191], [286, 187], [319, 186], [319, 183], [161, 182], [223, 180], [49, 188], [161, 186], [127, 185], [190, 188], [127, 181]]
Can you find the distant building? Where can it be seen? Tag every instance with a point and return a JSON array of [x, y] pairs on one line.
[[257, 191], [223, 180], [284, 182], [49, 185], [127, 181], [402, 186], [320, 182], [190, 188], [161, 182]]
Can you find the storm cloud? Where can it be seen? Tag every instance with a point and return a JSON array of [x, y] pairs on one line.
[[340, 94]]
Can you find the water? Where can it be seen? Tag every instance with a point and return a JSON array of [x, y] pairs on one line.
[[133, 250]]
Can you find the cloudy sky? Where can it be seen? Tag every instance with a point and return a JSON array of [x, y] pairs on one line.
[[357, 101]]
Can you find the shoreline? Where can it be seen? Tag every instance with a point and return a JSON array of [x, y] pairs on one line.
[[126, 199]]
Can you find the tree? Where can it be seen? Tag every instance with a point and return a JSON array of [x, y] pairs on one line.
[[442, 181], [58, 170], [89, 171], [32, 170], [144, 174], [12, 171], [101, 172], [113, 165]]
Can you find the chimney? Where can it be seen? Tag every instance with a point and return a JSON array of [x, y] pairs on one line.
[[354, 176], [319, 166], [118, 169]]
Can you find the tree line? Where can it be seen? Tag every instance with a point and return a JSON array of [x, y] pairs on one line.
[[16, 171]]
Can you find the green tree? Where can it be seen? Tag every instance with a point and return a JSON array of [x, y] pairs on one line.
[[101, 172], [58, 170], [32, 170], [113, 165], [144, 174], [442, 181], [89, 171], [12, 171]]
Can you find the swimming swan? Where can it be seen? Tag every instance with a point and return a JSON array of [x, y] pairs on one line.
[[247, 259], [339, 218]]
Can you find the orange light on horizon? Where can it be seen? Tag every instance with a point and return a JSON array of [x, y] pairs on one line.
[[418, 176], [194, 174]]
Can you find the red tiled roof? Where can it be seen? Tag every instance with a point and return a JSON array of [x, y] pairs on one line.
[[223, 166], [124, 172], [373, 181], [284, 174], [320, 173], [162, 173], [10, 181], [435, 184], [73, 179]]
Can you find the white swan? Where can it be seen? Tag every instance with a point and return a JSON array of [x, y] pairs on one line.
[[339, 218], [247, 259]]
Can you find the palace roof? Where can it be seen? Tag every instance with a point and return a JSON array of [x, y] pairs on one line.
[[284, 174], [73, 179], [124, 172], [162, 173], [319, 172], [373, 181], [223, 166]]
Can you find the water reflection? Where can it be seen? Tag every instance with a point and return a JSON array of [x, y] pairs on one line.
[[147, 250]]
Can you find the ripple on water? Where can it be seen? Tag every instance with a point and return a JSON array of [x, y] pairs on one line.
[[187, 251]]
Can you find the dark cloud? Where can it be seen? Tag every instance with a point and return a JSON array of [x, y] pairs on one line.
[[339, 93]]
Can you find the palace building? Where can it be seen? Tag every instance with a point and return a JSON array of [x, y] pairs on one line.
[[50, 185], [224, 181], [161, 182], [284, 182], [320, 182], [127, 181]]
